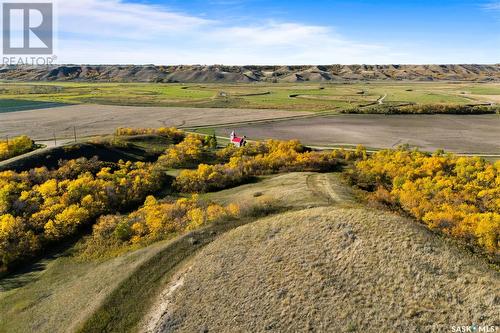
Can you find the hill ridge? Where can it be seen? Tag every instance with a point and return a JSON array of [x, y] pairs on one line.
[[250, 73]]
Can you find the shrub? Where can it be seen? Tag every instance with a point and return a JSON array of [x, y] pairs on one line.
[[260, 159], [459, 196], [169, 132], [40, 207], [426, 109], [154, 221], [190, 152], [15, 146]]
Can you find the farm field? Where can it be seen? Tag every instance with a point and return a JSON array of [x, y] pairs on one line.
[[104, 119], [455, 133], [14, 105], [304, 96]]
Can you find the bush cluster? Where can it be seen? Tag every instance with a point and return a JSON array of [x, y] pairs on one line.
[[193, 150], [40, 207], [169, 132], [15, 146], [260, 159], [459, 196], [426, 109], [155, 220]]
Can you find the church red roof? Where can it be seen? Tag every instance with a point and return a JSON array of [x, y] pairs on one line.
[[237, 140]]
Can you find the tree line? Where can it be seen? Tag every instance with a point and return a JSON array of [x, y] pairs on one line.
[[458, 196]]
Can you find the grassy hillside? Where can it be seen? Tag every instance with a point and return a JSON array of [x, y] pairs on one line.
[[58, 295], [329, 269], [118, 292], [107, 148]]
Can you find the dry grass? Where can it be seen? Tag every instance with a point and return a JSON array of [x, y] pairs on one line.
[[332, 269], [296, 190], [64, 294]]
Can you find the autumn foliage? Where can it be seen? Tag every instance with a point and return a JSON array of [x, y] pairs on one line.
[[193, 150], [154, 221], [459, 196], [426, 109], [260, 159], [168, 132], [40, 207], [15, 146]]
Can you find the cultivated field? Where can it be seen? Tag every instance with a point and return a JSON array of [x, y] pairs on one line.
[[455, 133], [104, 119], [298, 96]]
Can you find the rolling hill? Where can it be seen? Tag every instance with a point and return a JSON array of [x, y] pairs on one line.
[[243, 74]]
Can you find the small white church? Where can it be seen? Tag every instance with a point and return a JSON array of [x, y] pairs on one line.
[[237, 141]]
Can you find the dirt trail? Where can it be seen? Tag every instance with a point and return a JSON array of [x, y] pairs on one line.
[[330, 187], [161, 309], [381, 99]]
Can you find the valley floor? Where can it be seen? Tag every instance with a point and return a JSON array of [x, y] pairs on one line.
[[467, 134]]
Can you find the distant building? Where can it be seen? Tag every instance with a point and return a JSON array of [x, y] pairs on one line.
[[237, 141]]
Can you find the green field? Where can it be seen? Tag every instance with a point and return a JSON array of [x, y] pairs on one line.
[[306, 96], [13, 105]]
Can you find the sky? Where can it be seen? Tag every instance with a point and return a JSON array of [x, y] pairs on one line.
[[259, 32]]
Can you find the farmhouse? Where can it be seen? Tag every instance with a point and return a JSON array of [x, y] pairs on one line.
[[237, 141]]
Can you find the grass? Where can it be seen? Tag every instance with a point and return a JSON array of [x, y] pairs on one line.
[[64, 292], [311, 97], [126, 306], [331, 269], [296, 190], [14, 105]]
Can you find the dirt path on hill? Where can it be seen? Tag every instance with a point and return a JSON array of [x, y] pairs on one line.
[[330, 186]]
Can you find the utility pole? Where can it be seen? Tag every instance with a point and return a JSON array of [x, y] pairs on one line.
[[74, 132], [55, 140]]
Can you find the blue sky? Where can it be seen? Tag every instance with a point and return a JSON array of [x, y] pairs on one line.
[[278, 32]]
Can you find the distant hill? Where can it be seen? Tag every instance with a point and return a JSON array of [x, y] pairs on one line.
[[235, 74]]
